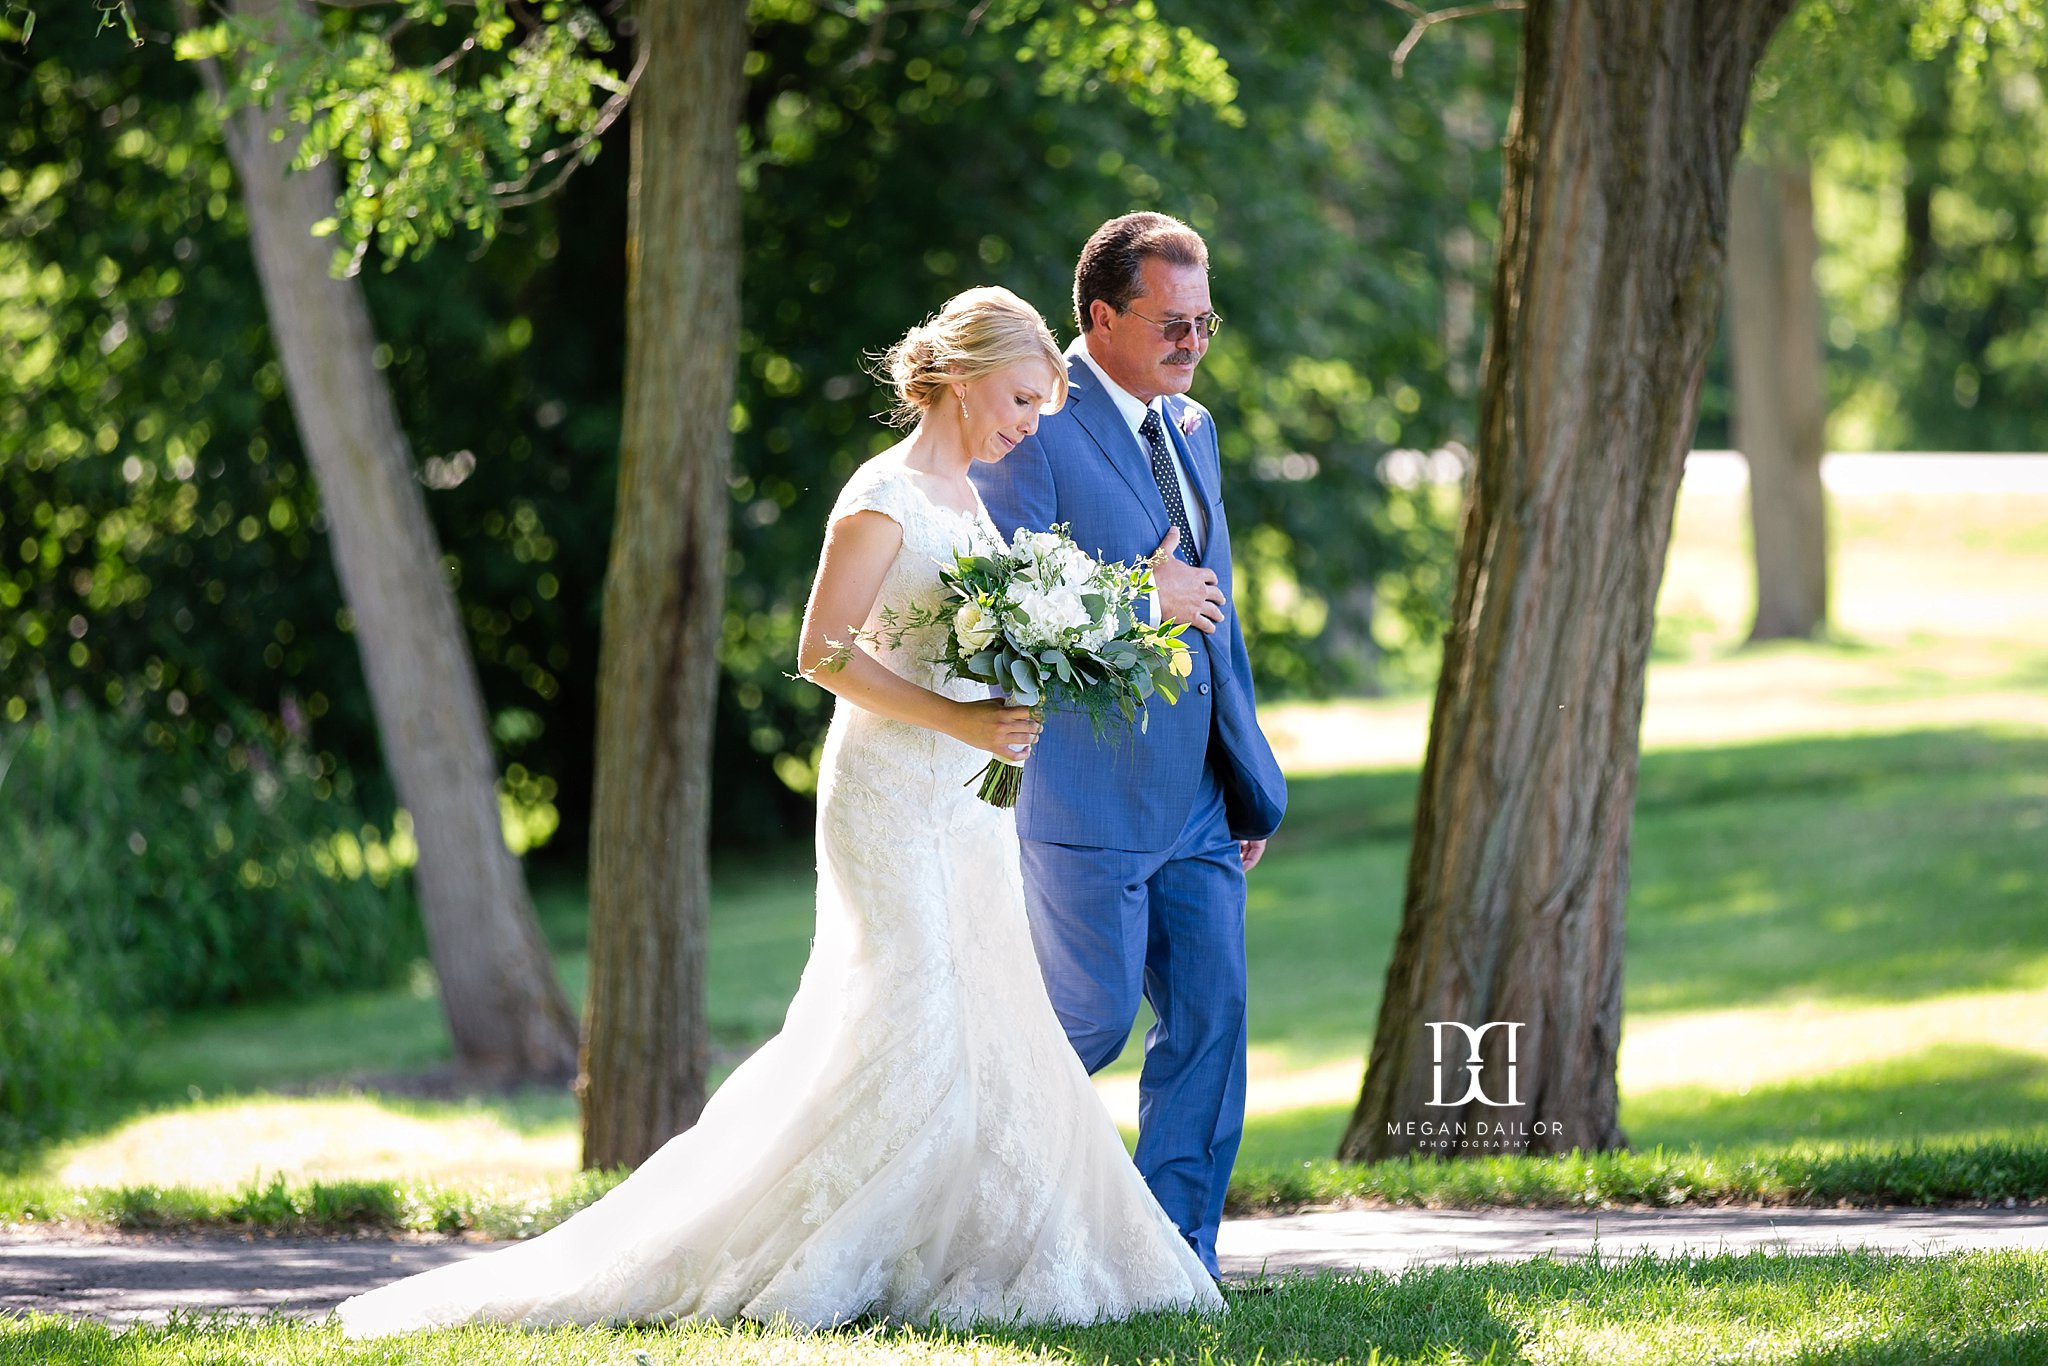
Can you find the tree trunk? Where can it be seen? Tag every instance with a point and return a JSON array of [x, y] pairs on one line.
[[1606, 295], [647, 1052], [1780, 398], [508, 1016]]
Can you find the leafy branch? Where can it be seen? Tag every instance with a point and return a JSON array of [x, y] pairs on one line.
[[518, 96], [426, 149], [1423, 20]]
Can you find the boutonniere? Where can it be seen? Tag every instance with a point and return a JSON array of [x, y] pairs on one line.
[[1190, 420]]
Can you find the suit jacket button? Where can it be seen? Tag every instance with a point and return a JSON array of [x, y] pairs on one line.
[[1202, 688]]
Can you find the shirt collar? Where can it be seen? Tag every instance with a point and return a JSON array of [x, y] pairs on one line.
[[1127, 403]]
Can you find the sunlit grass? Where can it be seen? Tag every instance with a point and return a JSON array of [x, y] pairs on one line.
[[1938, 618], [1835, 928], [1756, 1308], [331, 1138], [1784, 983]]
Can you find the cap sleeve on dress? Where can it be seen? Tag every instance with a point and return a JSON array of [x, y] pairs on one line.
[[874, 487]]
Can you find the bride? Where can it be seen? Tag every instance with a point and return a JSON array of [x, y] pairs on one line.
[[919, 1142]]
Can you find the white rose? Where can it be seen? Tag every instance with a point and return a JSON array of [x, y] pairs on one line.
[[975, 627], [1077, 567], [1034, 542]]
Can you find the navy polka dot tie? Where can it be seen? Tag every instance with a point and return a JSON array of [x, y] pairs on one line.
[[1168, 479]]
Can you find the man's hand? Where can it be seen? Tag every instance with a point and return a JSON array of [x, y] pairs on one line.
[[1185, 593], [1251, 851]]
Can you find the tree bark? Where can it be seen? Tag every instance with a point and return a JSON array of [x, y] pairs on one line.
[[1606, 295], [647, 1052], [1780, 398], [507, 1014]]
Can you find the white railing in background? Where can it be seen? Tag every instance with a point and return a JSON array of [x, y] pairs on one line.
[[1844, 472], [1854, 472]]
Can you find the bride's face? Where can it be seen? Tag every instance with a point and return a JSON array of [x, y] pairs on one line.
[[1002, 407]]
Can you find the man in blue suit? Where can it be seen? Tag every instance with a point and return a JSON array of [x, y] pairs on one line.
[[1136, 845]]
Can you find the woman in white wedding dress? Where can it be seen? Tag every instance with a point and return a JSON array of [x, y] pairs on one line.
[[919, 1142]]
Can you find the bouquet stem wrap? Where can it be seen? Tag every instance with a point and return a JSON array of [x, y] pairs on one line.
[[1001, 781]]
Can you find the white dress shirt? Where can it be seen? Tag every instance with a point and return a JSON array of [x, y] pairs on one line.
[[1133, 412]]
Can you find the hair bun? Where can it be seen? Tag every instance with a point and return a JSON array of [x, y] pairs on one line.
[[978, 332]]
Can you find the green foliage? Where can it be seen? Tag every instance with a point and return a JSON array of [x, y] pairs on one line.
[[1977, 28], [1124, 48], [189, 875], [1825, 72], [139, 874], [161, 541], [436, 126], [1924, 124], [433, 136], [1933, 248], [55, 1047], [1831, 62], [1347, 222]]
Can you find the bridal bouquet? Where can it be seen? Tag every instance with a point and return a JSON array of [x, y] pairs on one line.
[[1045, 623]]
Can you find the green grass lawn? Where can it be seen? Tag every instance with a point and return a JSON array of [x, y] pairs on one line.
[[1862, 1308], [1836, 990], [1858, 879], [1833, 942], [1836, 928]]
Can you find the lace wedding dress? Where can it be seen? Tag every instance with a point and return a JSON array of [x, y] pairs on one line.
[[919, 1142]]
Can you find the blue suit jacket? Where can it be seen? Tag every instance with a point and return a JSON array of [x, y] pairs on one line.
[[1129, 789]]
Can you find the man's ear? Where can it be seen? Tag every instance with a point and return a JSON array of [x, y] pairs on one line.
[[1100, 314]]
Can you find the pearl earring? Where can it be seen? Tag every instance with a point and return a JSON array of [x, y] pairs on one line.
[[964, 415]]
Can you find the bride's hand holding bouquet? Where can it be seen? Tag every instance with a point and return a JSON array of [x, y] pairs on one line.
[[1045, 624]]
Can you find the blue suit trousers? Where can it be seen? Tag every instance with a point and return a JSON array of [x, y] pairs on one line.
[[1113, 925]]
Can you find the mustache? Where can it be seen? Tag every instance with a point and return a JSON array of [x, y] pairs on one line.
[[1180, 358]]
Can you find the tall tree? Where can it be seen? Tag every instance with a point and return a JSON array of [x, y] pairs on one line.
[[1806, 89], [647, 1051], [1780, 407], [429, 149], [1896, 72], [646, 1058], [508, 1016], [1614, 214]]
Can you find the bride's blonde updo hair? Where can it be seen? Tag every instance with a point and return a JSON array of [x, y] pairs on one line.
[[978, 332]]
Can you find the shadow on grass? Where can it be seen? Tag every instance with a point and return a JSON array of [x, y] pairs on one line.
[[1858, 868], [1435, 1315], [1870, 869], [1951, 1093], [1948, 1092], [1855, 869], [1853, 1307], [1839, 1309], [392, 1044]]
